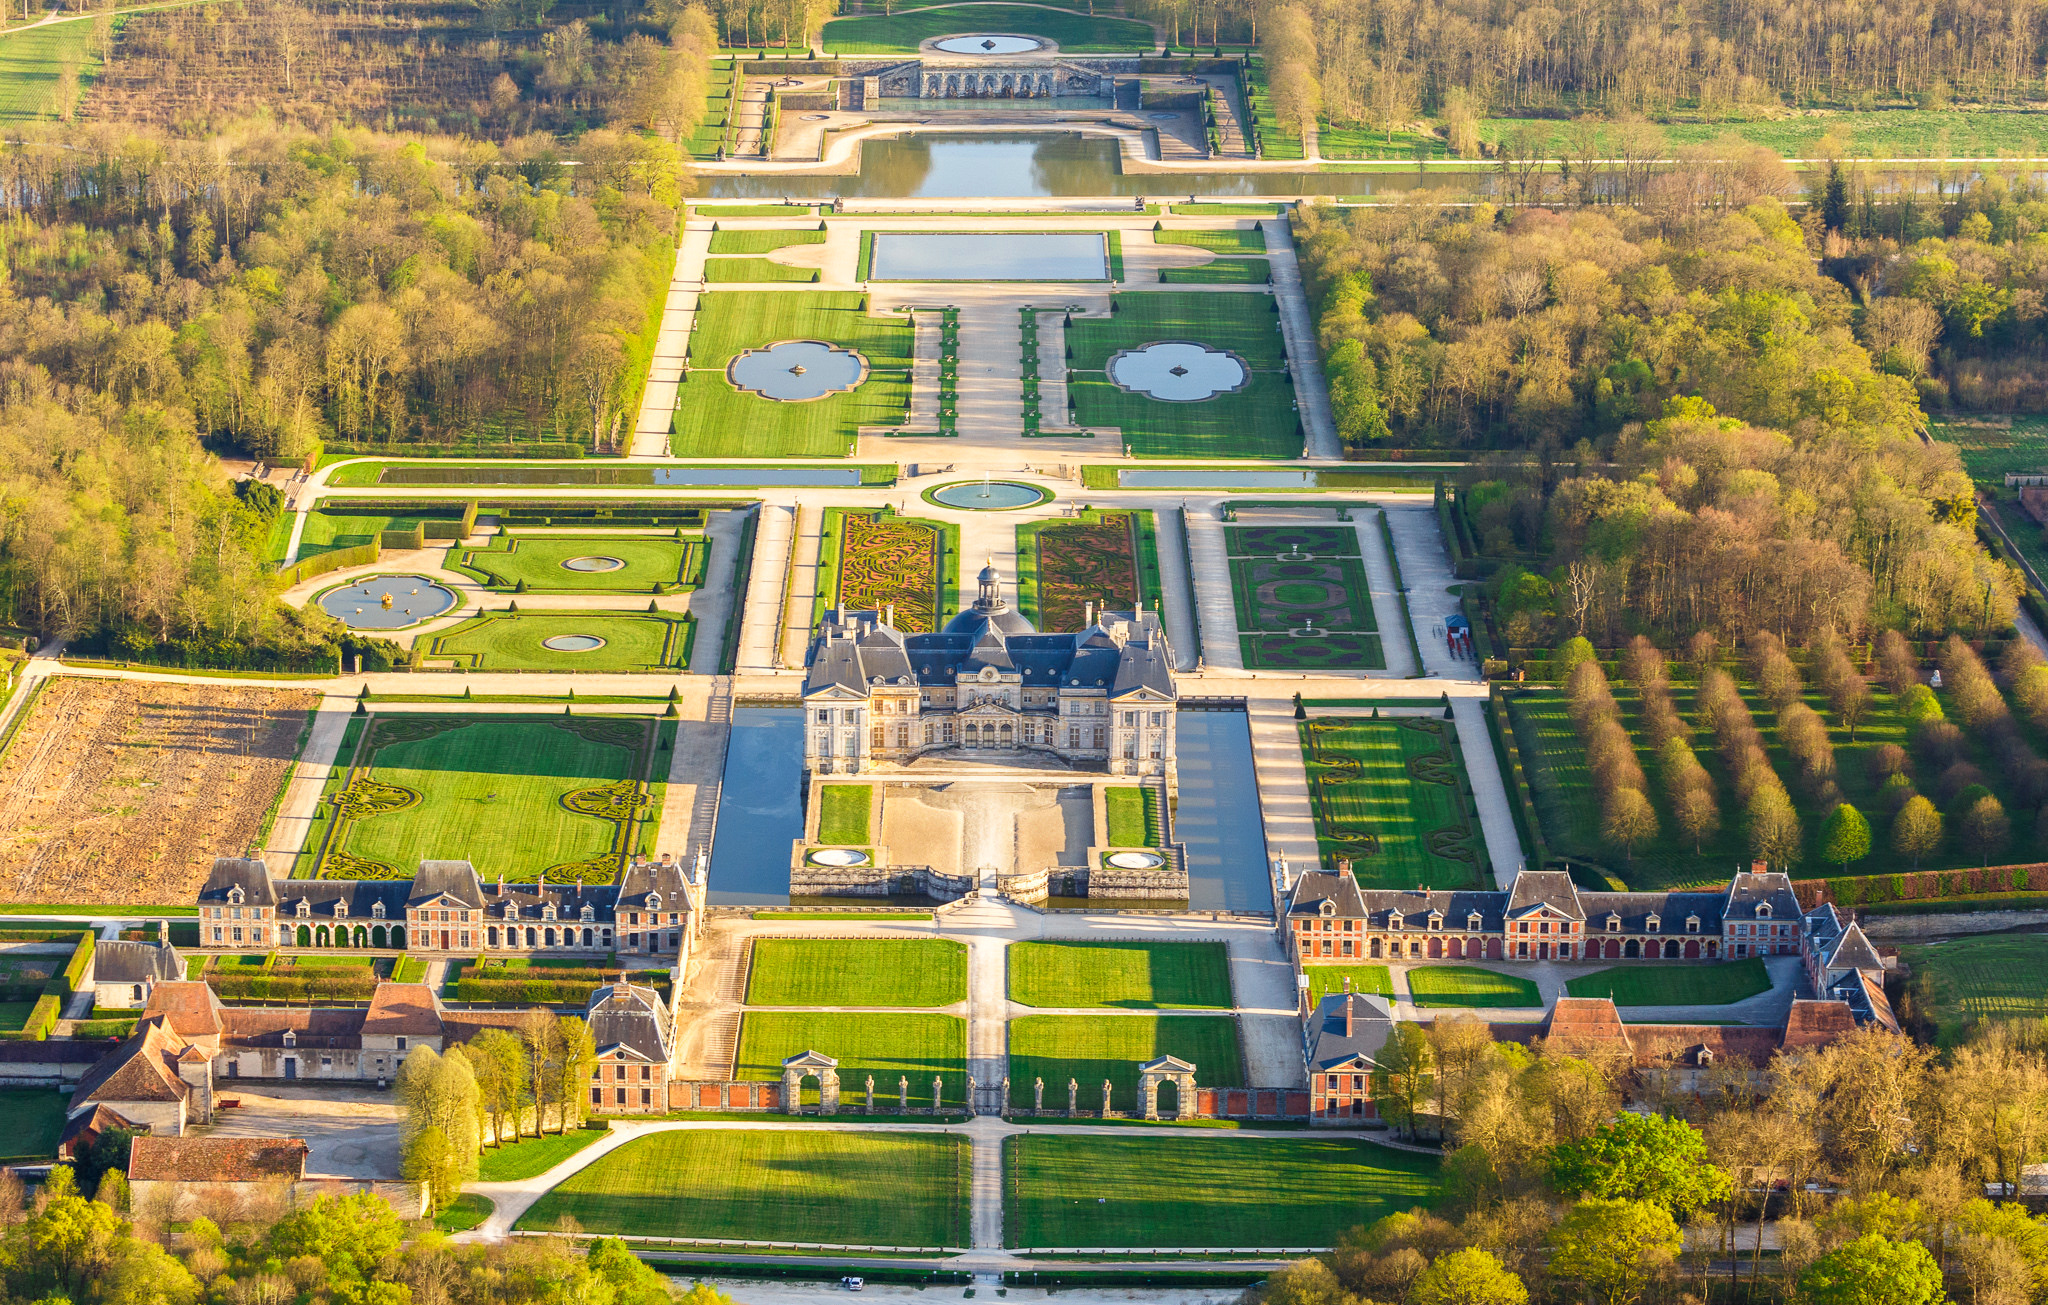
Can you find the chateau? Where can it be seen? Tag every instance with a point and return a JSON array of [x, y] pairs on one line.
[[989, 684]]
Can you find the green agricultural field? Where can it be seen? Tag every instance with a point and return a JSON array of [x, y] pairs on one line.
[[516, 796], [1462, 985], [1991, 448], [889, 1047], [36, 1118], [713, 419], [1675, 985], [1223, 271], [540, 563], [1130, 974], [1231, 240], [1075, 33], [1110, 558], [754, 271], [762, 242], [33, 65], [1326, 979], [1392, 797], [1561, 788], [843, 811], [857, 1189], [1957, 983], [1091, 1048], [531, 1157], [517, 641], [1212, 1189], [857, 972]]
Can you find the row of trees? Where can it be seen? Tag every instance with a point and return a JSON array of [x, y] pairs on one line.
[[1688, 789], [1626, 816], [1872, 1155]]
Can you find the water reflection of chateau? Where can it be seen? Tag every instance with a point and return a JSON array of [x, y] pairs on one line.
[[1101, 699]]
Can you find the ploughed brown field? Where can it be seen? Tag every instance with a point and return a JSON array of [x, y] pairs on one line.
[[115, 791]]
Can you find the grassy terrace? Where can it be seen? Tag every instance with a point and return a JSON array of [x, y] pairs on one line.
[[857, 972], [1207, 1190], [1326, 979], [1076, 33], [541, 563], [1392, 796], [862, 1189], [1462, 985], [887, 1046], [1223, 271], [1675, 985], [755, 271], [1091, 1048], [761, 242], [1232, 240], [1133, 975], [517, 641], [1964, 980], [843, 811], [713, 419]]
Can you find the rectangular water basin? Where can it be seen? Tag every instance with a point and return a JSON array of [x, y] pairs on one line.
[[1226, 479], [713, 476], [996, 256]]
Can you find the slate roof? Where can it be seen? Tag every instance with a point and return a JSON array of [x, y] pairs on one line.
[[121, 961], [1752, 889], [342, 899], [1553, 888], [626, 1017], [663, 877], [1635, 909], [1330, 1038], [1314, 887], [216, 1159], [454, 879], [247, 873], [1415, 905]]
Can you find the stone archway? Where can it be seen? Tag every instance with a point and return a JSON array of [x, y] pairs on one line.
[[797, 1068], [1167, 1069]]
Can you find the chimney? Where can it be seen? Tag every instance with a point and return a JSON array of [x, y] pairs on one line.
[[1088, 614], [889, 615], [163, 933], [1350, 1006]]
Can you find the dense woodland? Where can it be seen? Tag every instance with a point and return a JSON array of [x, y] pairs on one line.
[[1871, 1156], [1386, 62]]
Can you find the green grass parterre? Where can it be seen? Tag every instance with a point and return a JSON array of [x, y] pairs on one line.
[[843, 811], [857, 972], [1326, 979], [1223, 271], [1392, 796], [754, 271], [538, 561], [1467, 986], [887, 1046], [1132, 974], [517, 641], [1091, 1048], [861, 1189], [762, 242], [1228, 240], [1075, 33], [1665, 984]]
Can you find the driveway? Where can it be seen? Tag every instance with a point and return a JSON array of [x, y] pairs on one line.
[[350, 1131]]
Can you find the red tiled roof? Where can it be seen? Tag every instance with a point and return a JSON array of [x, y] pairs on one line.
[[403, 1008], [144, 1068], [189, 1005], [216, 1159], [1586, 1019], [1817, 1023]]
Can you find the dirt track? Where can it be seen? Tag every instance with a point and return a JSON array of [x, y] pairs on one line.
[[124, 792]]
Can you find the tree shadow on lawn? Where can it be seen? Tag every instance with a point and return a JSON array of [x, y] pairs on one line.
[[443, 752]]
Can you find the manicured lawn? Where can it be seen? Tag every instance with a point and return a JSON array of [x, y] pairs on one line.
[[1076, 33], [35, 1120], [1091, 1048], [1302, 598], [464, 1213], [1134, 975], [760, 242], [14, 1014], [1203, 1190], [1326, 979], [331, 530], [1962, 981], [1873, 133], [1125, 806], [1224, 271], [489, 791], [1666, 984], [888, 1046], [1231, 240], [1257, 421], [541, 563], [857, 972], [533, 1156], [517, 641], [1391, 795], [1462, 985], [1245, 324], [843, 813], [862, 1189], [755, 271], [713, 419]]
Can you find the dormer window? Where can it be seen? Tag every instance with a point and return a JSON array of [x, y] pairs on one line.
[[1327, 909], [1436, 920], [305, 908], [654, 901], [235, 895], [340, 910], [1650, 925], [588, 914], [291, 1039], [1692, 924], [1614, 923], [376, 910], [1763, 911], [548, 912], [1394, 919], [1472, 922]]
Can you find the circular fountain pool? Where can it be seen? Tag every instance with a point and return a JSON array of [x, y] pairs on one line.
[[1135, 860], [572, 643], [839, 856], [988, 44], [1178, 371], [386, 602], [987, 495], [588, 564], [796, 370]]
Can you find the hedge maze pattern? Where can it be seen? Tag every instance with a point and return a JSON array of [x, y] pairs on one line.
[[889, 559], [1303, 602], [1391, 798], [1085, 561]]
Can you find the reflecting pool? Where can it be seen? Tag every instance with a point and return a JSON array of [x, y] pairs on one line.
[[472, 474], [988, 44], [1217, 817], [759, 808], [796, 370], [992, 256], [1177, 371], [386, 602]]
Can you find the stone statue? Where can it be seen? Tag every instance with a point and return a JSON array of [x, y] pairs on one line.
[[1073, 1097], [939, 1094], [1105, 1098], [871, 1096], [1038, 1097], [903, 1095]]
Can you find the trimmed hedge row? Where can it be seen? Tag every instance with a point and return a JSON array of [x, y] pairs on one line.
[[49, 1005], [337, 983], [1922, 885], [1509, 755]]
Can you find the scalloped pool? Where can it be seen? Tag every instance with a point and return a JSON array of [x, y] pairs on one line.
[[363, 605]]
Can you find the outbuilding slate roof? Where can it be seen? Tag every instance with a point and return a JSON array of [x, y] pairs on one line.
[[247, 873], [1315, 887], [1345, 1027], [625, 1017]]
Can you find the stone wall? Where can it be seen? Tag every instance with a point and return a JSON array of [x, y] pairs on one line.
[[721, 1095], [1907, 927], [1210, 1103], [806, 880]]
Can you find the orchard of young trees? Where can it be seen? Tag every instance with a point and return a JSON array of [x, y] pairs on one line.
[[1882, 1172]]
